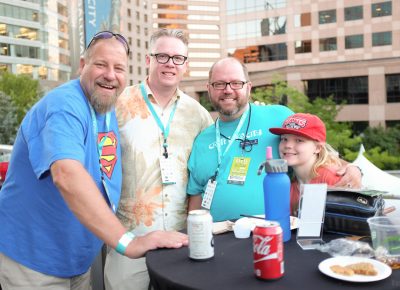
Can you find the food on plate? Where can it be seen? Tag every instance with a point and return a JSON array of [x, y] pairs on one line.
[[361, 268], [342, 270]]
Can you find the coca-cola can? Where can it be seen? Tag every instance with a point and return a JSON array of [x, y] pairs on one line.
[[268, 251], [201, 240]]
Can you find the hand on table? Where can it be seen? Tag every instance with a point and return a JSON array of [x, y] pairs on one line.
[[351, 177], [157, 239]]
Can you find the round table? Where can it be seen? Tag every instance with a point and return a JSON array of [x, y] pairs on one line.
[[232, 268]]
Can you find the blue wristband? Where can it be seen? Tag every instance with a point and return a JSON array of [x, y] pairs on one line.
[[124, 242]]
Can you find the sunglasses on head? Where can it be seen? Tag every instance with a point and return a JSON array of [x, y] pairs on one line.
[[109, 34]]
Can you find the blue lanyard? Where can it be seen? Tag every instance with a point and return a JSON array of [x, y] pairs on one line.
[[96, 132], [100, 149], [165, 130], [230, 141]]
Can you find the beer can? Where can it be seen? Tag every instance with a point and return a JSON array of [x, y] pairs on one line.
[[201, 240], [268, 251]]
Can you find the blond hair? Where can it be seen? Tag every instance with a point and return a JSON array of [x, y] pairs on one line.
[[328, 156], [176, 33]]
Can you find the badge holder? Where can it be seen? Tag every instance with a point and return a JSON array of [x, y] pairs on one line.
[[311, 215]]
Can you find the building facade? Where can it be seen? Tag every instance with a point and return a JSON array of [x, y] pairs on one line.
[[34, 39], [199, 19], [346, 49]]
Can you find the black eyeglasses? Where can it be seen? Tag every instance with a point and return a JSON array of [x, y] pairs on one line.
[[109, 34], [163, 58], [235, 85]]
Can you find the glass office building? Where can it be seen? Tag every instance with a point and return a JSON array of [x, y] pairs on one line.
[[34, 39], [346, 49]]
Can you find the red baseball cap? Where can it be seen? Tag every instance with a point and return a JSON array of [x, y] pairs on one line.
[[305, 125]]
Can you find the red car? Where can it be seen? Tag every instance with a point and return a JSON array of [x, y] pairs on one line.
[[5, 153]]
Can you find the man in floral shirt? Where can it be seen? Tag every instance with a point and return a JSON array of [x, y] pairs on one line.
[[158, 124]]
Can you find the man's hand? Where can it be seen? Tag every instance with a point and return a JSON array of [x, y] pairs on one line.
[[351, 176], [157, 239]]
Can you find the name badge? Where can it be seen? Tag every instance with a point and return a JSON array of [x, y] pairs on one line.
[[239, 168], [209, 194], [167, 166]]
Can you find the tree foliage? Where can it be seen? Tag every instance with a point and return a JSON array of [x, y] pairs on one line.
[[23, 90], [339, 134], [8, 119]]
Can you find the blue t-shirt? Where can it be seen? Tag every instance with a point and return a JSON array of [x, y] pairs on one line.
[[37, 228], [231, 200]]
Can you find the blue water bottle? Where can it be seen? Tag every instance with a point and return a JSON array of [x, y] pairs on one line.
[[277, 193]]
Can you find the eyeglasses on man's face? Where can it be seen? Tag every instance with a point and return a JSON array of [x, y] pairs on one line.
[[163, 58], [109, 34], [235, 85]]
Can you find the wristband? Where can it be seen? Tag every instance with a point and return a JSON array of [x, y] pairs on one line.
[[124, 242]]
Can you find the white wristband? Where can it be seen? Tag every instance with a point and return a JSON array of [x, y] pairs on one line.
[[124, 242]]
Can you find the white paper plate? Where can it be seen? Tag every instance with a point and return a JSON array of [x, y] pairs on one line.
[[383, 270]]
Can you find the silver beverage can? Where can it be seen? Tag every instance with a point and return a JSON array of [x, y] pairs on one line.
[[201, 240]]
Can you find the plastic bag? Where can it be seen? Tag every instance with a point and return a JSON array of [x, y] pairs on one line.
[[346, 247]]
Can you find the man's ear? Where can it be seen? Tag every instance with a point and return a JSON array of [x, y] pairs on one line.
[[81, 64]]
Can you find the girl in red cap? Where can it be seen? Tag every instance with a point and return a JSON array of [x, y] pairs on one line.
[[303, 145]]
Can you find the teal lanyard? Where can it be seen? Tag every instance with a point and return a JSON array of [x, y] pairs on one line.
[[165, 130], [96, 132], [100, 149], [230, 141]]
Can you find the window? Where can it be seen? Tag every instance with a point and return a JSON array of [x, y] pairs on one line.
[[303, 19], [260, 53], [327, 16], [353, 13], [381, 38], [381, 9], [393, 88], [4, 49], [352, 90], [273, 26], [302, 46], [242, 6], [354, 41], [328, 44]]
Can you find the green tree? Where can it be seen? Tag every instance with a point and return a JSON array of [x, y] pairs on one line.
[[386, 139], [8, 119], [339, 134], [23, 90]]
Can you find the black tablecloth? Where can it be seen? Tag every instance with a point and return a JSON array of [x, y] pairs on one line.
[[232, 268]]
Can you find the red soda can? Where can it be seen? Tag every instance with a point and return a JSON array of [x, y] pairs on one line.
[[268, 251]]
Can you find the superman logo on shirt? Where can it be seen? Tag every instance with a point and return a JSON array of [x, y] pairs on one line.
[[108, 156]]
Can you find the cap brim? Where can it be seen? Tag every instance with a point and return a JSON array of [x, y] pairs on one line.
[[281, 131]]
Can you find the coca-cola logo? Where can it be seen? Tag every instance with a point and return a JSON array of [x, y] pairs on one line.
[[262, 247]]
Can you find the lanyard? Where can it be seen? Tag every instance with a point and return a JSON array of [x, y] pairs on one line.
[[230, 141], [100, 149], [165, 130], [96, 132]]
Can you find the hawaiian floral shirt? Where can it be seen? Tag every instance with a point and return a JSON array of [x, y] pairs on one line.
[[146, 204]]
